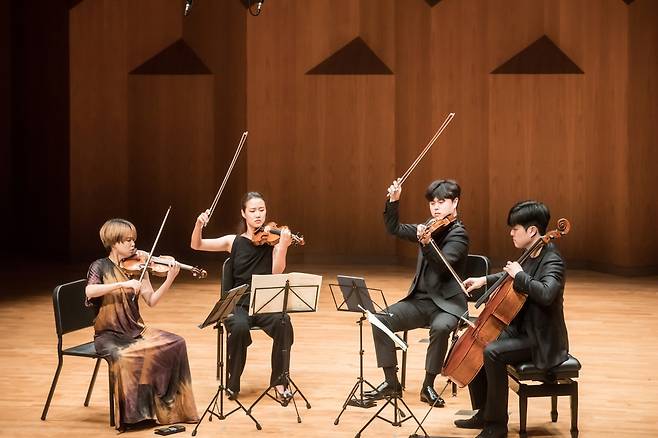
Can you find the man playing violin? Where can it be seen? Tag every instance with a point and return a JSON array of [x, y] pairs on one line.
[[152, 380], [537, 333], [435, 298], [249, 259]]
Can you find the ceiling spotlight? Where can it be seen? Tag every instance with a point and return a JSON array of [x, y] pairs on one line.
[[188, 7]]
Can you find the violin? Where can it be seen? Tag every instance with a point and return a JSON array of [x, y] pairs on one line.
[[435, 224], [270, 233], [158, 266]]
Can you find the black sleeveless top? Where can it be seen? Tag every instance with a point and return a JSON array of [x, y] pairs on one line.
[[249, 259]]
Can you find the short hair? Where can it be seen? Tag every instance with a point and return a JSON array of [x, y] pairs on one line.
[[443, 189], [116, 231], [529, 213]]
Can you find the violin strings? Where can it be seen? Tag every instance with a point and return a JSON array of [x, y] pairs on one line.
[[228, 172]]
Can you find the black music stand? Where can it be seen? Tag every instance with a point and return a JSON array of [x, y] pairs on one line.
[[283, 299], [356, 296], [395, 400], [222, 309]]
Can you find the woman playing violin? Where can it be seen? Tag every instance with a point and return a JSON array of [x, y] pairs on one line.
[[249, 259], [537, 333], [435, 298], [152, 380]]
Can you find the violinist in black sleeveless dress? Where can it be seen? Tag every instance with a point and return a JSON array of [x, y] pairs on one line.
[[537, 333], [249, 259]]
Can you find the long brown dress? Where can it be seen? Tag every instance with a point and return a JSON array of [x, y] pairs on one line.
[[152, 373]]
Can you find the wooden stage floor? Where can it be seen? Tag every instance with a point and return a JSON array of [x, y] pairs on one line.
[[612, 329]]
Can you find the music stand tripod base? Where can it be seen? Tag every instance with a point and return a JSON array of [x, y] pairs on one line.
[[356, 395], [356, 296], [216, 406], [398, 415], [271, 293]]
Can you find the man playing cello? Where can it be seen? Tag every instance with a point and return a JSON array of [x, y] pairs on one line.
[[537, 333]]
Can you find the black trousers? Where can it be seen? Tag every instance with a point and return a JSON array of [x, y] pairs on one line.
[[489, 389], [410, 314], [239, 338]]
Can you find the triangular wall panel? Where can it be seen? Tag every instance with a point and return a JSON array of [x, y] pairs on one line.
[[355, 58], [540, 57], [177, 59]]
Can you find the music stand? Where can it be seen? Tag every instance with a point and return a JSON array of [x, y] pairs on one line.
[[356, 296], [222, 309], [284, 293], [395, 399]]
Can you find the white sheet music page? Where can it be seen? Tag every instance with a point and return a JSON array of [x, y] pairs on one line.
[[267, 292]]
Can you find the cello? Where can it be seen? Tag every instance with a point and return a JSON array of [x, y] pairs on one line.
[[466, 356]]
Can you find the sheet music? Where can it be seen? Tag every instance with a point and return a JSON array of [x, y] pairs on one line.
[[380, 325], [303, 296]]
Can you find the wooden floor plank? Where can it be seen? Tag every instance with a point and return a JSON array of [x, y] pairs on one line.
[[612, 330]]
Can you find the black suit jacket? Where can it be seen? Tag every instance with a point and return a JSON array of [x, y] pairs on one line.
[[542, 315], [432, 275]]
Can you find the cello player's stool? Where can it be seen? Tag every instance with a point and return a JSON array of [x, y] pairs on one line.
[[557, 381]]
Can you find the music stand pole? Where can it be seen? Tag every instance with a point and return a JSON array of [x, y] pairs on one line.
[[285, 374], [352, 400], [395, 401], [214, 408]]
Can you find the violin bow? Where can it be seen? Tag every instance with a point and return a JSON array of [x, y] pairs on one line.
[[148, 259], [454, 274], [243, 138], [450, 268], [438, 133]]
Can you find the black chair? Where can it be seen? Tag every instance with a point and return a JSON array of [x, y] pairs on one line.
[[226, 285], [476, 266], [71, 314], [557, 381], [227, 277]]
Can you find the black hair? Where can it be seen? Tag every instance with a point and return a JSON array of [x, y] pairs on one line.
[[242, 226], [248, 197], [529, 213], [443, 189]]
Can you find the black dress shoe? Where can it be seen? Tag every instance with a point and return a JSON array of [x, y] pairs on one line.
[[232, 395], [429, 396], [493, 431], [385, 390], [283, 397], [371, 392], [475, 422]]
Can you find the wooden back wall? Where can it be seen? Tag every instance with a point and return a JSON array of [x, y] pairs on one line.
[[339, 96]]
